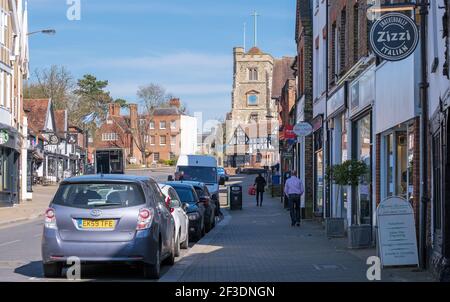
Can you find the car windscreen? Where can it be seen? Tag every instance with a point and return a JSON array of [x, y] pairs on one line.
[[99, 195], [200, 192], [185, 194], [200, 174]]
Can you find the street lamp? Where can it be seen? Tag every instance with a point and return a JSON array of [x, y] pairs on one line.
[[43, 31]]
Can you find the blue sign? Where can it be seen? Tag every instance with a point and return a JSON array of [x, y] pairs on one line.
[[394, 36]]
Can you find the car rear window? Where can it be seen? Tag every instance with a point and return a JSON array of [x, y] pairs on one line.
[[185, 194], [99, 195]]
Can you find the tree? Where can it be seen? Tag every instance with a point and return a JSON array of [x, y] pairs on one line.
[[55, 83], [152, 96], [122, 102], [93, 101]]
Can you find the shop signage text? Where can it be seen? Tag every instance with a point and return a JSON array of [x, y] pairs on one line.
[[336, 102], [397, 232], [394, 36]]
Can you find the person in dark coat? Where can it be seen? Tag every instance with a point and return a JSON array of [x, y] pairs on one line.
[[260, 184]]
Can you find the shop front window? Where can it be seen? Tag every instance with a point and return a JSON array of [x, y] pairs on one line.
[[318, 172], [362, 208], [399, 163], [344, 157], [390, 165]]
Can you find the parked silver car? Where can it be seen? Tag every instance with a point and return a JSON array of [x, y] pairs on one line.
[[108, 219]]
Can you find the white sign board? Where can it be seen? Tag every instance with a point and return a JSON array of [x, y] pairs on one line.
[[397, 239], [303, 129]]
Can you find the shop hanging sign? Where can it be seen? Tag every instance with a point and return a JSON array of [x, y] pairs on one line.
[[72, 138], [394, 36], [4, 137], [288, 132], [397, 233], [303, 129]]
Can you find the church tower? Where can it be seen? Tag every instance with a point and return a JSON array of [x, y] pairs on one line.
[[252, 86]]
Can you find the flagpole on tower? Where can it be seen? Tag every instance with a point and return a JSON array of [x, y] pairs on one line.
[[245, 34], [255, 15]]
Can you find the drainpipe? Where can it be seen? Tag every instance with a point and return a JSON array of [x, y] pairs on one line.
[[424, 130], [327, 206]]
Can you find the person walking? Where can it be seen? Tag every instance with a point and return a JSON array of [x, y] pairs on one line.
[[294, 189], [260, 184]]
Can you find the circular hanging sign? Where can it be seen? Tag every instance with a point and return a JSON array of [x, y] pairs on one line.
[[53, 139], [394, 36], [303, 129], [4, 137]]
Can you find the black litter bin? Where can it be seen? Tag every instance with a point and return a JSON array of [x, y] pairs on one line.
[[235, 197]]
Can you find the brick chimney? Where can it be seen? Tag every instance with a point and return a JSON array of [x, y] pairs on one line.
[[114, 109], [133, 116], [175, 103]]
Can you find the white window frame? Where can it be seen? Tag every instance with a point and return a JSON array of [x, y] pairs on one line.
[[160, 140], [152, 125], [173, 140], [173, 124], [160, 125]]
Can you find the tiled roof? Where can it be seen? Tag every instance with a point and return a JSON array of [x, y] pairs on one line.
[[282, 71], [167, 111], [36, 111], [255, 51]]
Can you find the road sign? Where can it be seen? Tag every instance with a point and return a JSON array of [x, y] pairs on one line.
[[303, 129], [394, 36], [397, 232], [4, 137]]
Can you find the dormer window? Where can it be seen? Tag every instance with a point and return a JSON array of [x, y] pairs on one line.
[[253, 74]]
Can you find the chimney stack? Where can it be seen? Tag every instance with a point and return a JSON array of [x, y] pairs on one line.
[[114, 109], [175, 103], [133, 116]]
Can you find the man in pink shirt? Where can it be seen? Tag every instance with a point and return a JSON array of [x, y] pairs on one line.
[[293, 189]]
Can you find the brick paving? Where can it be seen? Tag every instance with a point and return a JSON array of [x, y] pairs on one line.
[[258, 244]]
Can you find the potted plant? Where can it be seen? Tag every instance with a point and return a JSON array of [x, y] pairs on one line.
[[349, 173]]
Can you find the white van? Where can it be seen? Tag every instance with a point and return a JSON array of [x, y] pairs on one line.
[[201, 168]]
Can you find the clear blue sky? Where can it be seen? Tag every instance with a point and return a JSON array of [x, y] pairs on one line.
[[184, 45]]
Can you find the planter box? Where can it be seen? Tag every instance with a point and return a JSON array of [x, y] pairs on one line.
[[335, 227], [359, 236]]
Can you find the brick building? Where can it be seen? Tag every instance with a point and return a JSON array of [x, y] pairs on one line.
[[304, 107], [144, 139]]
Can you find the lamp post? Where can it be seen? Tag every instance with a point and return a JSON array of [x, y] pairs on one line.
[[43, 31]]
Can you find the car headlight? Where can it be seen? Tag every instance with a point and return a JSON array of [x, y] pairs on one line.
[[193, 216]]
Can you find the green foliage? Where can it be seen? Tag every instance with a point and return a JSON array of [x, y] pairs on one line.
[[93, 101], [123, 103], [349, 173]]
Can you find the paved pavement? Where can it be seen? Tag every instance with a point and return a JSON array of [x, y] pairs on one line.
[[259, 244]]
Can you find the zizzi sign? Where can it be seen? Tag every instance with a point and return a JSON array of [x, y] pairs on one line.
[[394, 36]]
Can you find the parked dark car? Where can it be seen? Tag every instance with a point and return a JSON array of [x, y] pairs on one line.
[[194, 208], [211, 204], [108, 219]]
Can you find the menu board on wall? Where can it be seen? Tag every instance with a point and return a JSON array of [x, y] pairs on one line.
[[397, 233]]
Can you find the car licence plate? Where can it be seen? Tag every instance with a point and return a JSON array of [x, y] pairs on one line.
[[96, 223]]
